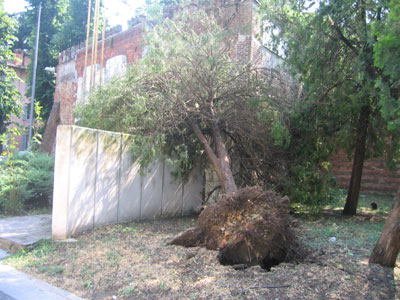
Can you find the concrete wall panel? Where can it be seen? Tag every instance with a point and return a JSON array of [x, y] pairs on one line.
[[172, 194], [193, 192], [130, 184], [107, 178], [97, 183], [152, 191], [61, 183], [82, 179]]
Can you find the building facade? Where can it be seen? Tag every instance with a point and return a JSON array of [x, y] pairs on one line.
[[19, 64]]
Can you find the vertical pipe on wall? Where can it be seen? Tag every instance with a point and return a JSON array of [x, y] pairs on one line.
[[86, 49], [103, 37], [94, 43]]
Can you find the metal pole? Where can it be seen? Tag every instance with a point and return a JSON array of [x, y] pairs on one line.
[[86, 51], [34, 75]]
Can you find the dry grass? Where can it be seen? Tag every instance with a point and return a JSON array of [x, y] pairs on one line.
[[133, 261]]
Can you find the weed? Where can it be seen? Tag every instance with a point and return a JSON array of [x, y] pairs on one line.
[[128, 291], [33, 257], [52, 270], [87, 284], [163, 286], [124, 228], [89, 270], [113, 257]]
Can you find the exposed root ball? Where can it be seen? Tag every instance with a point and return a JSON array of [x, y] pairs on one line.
[[251, 226]]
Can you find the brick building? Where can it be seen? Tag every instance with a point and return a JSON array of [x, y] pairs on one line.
[[19, 65], [124, 48]]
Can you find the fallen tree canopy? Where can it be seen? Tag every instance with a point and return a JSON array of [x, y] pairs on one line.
[[250, 227]]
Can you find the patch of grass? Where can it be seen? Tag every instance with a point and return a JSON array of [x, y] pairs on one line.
[[39, 211], [384, 202], [37, 256], [113, 257], [121, 228], [52, 270], [89, 270], [349, 232], [127, 292], [358, 233]]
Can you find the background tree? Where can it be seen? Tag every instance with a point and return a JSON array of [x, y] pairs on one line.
[[9, 96], [24, 31], [330, 48], [71, 31], [387, 58], [53, 13]]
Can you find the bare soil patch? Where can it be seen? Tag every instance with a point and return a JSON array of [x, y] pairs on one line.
[[133, 261]]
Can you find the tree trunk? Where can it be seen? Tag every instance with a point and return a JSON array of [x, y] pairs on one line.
[[388, 246], [229, 181], [1, 132], [219, 160], [350, 207]]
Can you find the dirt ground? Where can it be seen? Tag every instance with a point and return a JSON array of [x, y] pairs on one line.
[[133, 261]]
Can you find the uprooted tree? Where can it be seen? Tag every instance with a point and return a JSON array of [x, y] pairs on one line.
[[189, 98]]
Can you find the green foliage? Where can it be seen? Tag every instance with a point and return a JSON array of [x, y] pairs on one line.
[[24, 31], [26, 181], [330, 48], [335, 68], [37, 257], [387, 58], [73, 29], [188, 78], [53, 14], [309, 186], [9, 96]]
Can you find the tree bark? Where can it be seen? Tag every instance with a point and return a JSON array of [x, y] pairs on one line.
[[218, 160], [388, 246], [353, 193], [1, 132], [230, 185]]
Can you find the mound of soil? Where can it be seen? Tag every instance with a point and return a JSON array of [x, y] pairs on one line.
[[249, 227]]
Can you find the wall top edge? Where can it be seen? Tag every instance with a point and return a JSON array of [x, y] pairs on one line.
[[92, 129]]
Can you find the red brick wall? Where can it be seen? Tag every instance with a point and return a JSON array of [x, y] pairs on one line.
[[376, 177], [128, 43], [71, 68]]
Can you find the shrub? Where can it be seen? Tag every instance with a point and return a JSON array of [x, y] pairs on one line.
[[26, 181], [310, 187]]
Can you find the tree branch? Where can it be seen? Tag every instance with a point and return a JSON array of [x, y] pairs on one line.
[[341, 36]]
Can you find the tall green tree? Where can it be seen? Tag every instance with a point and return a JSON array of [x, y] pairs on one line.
[[53, 14], [9, 96], [24, 31], [330, 48], [387, 58], [73, 30]]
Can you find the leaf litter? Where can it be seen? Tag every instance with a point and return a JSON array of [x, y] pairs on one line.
[[133, 261]]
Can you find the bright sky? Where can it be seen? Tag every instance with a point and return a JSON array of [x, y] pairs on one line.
[[117, 11]]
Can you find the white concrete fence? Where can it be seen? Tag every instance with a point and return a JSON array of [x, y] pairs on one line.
[[97, 183]]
